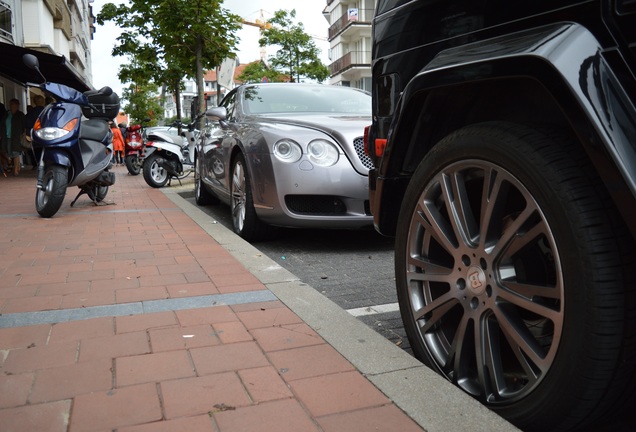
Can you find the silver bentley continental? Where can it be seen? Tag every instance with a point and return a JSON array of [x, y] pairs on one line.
[[287, 155]]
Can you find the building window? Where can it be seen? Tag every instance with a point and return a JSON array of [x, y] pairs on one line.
[[5, 22]]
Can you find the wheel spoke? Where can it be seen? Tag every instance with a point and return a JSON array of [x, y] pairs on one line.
[[531, 291], [458, 354], [527, 350], [436, 309], [430, 271], [491, 374], [531, 306], [511, 232], [435, 224], [492, 189], [458, 206]]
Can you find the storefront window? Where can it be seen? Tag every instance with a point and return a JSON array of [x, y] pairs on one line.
[[5, 22]]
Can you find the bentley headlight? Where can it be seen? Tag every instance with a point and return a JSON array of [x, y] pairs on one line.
[[51, 133], [287, 151], [323, 153]]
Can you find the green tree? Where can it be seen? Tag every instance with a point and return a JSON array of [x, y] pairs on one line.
[[297, 53], [172, 39], [258, 71], [143, 102]]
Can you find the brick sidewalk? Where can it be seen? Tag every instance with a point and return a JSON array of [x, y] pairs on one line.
[[190, 345]]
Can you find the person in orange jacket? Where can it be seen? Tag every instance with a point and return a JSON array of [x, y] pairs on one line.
[[118, 144]]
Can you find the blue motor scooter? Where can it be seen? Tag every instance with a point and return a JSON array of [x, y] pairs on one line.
[[72, 151]]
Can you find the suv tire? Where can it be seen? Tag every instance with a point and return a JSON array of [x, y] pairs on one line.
[[509, 276]]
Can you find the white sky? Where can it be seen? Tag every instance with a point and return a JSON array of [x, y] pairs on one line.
[[309, 12]]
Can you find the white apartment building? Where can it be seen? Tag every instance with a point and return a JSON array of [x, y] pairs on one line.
[[58, 32], [350, 41]]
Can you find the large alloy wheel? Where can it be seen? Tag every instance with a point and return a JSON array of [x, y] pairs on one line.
[[510, 278], [154, 174], [49, 198], [244, 219]]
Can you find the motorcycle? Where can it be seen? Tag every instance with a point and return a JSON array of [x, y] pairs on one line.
[[134, 148], [72, 151], [169, 156]]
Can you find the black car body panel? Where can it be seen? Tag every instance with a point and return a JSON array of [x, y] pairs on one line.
[[503, 139], [577, 55]]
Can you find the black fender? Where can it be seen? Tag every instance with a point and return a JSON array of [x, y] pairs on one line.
[[566, 59]]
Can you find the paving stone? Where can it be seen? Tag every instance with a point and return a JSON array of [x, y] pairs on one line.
[[264, 384], [280, 416], [40, 357], [193, 396], [353, 390], [286, 337], [116, 408], [230, 357], [152, 368], [134, 323], [15, 389], [386, 418], [201, 423], [268, 317], [49, 417], [311, 361], [76, 330], [180, 338], [121, 345], [66, 382]]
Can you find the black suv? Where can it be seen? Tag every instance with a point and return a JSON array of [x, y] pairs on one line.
[[504, 140]]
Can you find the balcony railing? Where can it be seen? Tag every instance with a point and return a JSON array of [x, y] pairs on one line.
[[365, 16], [349, 60]]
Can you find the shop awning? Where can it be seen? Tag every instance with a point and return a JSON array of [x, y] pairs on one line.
[[55, 68]]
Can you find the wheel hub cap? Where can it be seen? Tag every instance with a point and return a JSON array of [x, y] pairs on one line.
[[476, 280]]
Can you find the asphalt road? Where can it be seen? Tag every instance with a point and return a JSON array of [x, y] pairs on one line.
[[354, 269]]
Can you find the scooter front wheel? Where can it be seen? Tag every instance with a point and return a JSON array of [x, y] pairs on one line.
[[49, 198], [154, 174], [133, 164]]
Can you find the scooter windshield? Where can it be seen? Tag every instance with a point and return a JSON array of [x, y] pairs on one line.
[[66, 94]]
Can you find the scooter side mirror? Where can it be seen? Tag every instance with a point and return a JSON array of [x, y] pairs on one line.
[[32, 62]]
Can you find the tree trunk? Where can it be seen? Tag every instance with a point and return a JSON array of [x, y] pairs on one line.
[[177, 95], [200, 89]]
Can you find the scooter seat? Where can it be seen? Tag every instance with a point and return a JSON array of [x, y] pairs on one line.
[[95, 130]]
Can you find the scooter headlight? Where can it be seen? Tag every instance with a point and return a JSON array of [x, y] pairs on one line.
[[50, 133], [134, 144]]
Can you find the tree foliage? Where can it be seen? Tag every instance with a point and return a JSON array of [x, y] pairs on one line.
[[171, 39], [297, 55], [258, 71], [143, 102]]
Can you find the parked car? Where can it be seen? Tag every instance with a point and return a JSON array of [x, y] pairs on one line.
[[287, 155], [504, 140]]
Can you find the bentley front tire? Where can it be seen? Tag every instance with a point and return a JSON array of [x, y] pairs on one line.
[[244, 218]]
